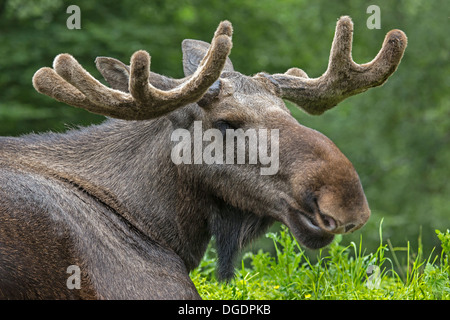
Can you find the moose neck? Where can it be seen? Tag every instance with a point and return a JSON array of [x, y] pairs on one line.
[[126, 166]]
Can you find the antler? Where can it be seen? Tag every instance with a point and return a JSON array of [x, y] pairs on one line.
[[68, 82], [343, 77]]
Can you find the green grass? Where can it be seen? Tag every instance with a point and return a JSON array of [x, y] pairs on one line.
[[339, 272]]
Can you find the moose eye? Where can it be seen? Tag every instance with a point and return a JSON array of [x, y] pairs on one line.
[[223, 125]]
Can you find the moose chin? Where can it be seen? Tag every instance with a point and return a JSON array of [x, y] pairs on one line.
[[110, 200]]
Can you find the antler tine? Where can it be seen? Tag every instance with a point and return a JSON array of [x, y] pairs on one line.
[[68, 82], [343, 77], [48, 82], [193, 89]]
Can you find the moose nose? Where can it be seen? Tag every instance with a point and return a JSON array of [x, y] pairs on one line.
[[331, 225]]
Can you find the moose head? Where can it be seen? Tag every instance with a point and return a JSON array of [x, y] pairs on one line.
[[315, 190]]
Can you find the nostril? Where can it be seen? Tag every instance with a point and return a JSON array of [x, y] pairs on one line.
[[328, 222], [349, 227]]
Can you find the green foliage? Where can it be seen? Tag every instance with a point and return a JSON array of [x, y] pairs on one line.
[[340, 272], [397, 136], [445, 243]]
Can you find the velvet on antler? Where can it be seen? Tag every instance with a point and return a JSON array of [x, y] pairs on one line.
[[343, 77], [68, 82]]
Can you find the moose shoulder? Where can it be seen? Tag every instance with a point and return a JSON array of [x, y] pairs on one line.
[[111, 200]]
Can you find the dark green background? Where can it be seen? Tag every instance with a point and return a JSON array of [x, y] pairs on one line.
[[397, 136]]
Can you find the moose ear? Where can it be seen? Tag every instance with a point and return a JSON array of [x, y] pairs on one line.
[[193, 53], [115, 72]]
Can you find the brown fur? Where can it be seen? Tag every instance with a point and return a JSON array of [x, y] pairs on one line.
[[109, 199]]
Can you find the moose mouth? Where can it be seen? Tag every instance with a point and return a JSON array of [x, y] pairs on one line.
[[306, 229], [309, 221]]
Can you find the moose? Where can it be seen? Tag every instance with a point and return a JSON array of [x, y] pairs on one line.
[[109, 199]]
